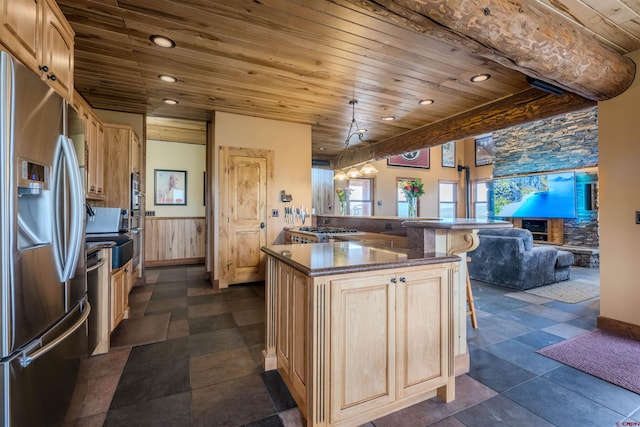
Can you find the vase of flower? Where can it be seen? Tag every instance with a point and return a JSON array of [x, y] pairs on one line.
[[343, 196], [412, 190], [413, 212]]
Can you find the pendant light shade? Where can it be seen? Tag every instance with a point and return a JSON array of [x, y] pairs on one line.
[[368, 169], [341, 176]]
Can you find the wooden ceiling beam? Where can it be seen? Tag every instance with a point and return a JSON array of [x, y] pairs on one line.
[[519, 34], [524, 107]]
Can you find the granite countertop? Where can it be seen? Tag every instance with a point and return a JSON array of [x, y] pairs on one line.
[[321, 259], [96, 246], [457, 223], [375, 239]]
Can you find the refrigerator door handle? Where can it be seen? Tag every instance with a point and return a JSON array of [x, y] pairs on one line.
[[67, 252], [26, 359]]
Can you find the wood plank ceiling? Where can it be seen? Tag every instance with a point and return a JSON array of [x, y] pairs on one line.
[[302, 61]]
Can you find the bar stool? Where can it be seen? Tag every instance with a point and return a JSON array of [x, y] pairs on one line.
[[472, 308]]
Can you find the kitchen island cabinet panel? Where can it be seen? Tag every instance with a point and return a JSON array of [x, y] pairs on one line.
[[356, 340]]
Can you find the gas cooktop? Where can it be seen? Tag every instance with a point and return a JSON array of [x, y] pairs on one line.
[[328, 230]]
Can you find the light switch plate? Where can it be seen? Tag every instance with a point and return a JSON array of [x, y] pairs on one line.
[[637, 217]]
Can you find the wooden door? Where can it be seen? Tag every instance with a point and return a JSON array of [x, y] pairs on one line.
[[57, 50], [20, 29], [243, 213]]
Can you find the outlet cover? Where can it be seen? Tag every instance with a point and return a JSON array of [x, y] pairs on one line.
[[637, 217], [275, 213]]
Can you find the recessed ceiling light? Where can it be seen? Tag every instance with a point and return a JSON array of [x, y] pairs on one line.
[[166, 78], [480, 78], [321, 148], [426, 101], [388, 118], [162, 41], [170, 101]]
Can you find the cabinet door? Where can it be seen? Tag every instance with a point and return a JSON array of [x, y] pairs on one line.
[[422, 325], [299, 332], [21, 29], [362, 344], [136, 153], [57, 51], [117, 297]]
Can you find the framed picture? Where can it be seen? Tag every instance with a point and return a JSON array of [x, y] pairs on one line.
[[484, 150], [449, 154], [169, 187], [412, 159]]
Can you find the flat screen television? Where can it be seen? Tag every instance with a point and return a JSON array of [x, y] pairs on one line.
[[550, 195]]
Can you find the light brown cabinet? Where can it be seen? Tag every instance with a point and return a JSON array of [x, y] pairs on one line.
[[93, 152], [119, 287], [37, 33], [355, 346], [119, 141]]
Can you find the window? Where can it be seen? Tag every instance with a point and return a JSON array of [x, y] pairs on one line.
[[481, 198], [361, 199], [447, 199], [402, 206]]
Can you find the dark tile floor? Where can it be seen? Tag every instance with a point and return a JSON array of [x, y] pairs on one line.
[[208, 371]]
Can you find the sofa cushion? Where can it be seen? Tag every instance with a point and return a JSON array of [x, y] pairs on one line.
[[525, 235], [564, 259]]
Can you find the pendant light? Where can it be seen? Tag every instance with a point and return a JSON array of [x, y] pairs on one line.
[[354, 129]]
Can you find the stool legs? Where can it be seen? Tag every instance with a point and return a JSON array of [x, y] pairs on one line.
[[472, 308]]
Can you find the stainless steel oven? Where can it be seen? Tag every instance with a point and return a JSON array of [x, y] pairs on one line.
[[135, 194]]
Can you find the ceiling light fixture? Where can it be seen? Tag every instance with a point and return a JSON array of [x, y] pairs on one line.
[[167, 78], [478, 78], [388, 118], [341, 176], [170, 101], [354, 128], [162, 41], [427, 101]]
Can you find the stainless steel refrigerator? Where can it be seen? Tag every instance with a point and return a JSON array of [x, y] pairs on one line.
[[43, 305]]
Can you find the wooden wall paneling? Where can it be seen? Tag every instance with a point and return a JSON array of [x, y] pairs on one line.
[[178, 240]]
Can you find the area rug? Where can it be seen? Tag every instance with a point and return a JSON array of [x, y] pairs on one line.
[[141, 330], [610, 357], [570, 291]]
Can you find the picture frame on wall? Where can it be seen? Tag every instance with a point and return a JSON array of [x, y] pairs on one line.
[[169, 187], [484, 150], [411, 159], [449, 154]]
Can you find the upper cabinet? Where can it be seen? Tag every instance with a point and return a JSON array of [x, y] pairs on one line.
[[36, 33], [122, 150], [92, 152]]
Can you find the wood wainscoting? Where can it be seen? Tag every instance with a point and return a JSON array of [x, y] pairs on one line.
[[174, 240]]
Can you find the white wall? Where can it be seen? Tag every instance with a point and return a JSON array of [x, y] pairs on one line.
[[177, 156], [619, 158]]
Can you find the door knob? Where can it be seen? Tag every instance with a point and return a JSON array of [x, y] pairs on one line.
[[262, 224]]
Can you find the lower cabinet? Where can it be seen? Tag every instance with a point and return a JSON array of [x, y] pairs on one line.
[[119, 285], [354, 347]]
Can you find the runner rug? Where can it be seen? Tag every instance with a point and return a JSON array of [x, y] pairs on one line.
[[610, 357]]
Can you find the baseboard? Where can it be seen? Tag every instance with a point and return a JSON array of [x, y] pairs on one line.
[[166, 262], [618, 327], [461, 364]]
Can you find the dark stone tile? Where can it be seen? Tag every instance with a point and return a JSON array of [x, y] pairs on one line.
[[214, 368], [209, 309], [249, 317], [577, 309], [589, 323], [205, 299], [236, 292], [199, 282], [151, 381], [447, 422], [172, 275], [495, 329], [157, 354], [173, 410], [561, 406], [529, 319], [522, 355], [499, 411], [210, 342], [272, 421], [278, 391], [231, 403], [246, 304], [496, 372], [177, 313], [253, 334], [169, 293], [539, 339], [483, 289], [498, 304], [421, 414], [606, 394], [148, 288], [166, 305], [469, 392], [200, 325]]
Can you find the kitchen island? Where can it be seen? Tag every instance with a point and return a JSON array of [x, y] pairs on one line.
[[358, 331]]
